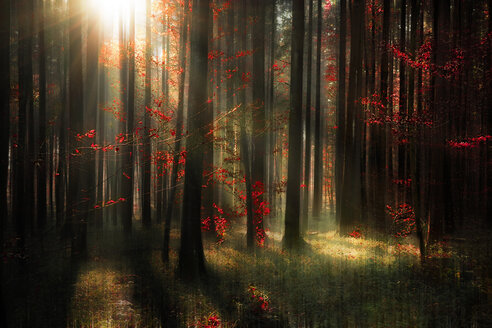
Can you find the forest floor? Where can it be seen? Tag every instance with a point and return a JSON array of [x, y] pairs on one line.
[[337, 282]]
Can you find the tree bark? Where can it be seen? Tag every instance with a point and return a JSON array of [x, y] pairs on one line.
[[307, 125], [191, 262], [318, 151], [146, 160], [292, 237]]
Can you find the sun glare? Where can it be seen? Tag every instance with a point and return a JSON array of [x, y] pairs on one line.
[[112, 9]]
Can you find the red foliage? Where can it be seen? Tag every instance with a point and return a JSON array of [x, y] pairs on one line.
[[261, 210], [469, 142], [259, 299], [403, 220], [212, 321], [356, 233], [89, 134]]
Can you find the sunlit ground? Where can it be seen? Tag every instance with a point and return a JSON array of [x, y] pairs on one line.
[[339, 281]]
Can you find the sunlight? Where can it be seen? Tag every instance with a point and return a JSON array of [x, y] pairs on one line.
[[112, 9]]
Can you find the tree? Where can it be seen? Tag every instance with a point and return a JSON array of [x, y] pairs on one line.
[[146, 211], [341, 109], [350, 207], [318, 152], [91, 108], [42, 158], [128, 94], [76, 112], [22, 171], [191, 258], [292, 237], [183, 40], [258, 160], [4, 133], [307, 125]]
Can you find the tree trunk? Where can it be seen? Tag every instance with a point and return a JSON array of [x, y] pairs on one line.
[[258, 160], [42, 159], [351, 192], [191, 262], [307, 125], [292, 238], [76, 111], [318, 151], [146, 160], [22, 203], [4, 135], [183, 40]]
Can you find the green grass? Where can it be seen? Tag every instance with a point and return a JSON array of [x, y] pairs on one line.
[[338, 282]]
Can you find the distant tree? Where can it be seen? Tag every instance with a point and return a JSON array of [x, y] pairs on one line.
[[41, 164], [127, 84], [258, 158], [146, 210], [91, 109], [341, 109], [318, 152], [4, 135], [22, 173], [77, 219], [307, 125]]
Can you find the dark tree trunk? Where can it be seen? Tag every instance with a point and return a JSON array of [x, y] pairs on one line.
[[100, 137], [191, 258], [127, 86], [146, 160], [402, 105], [76, 110], [258, 160], [5, 135], [270, 108], [351, 191], [183, 40], [318, 151], [91, 108], [42, 158], [292, 238], [341, 111], [22, 202], [61, 175], [307, 126]]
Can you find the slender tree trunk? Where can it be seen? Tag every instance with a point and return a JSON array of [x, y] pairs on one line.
[[351, 193], [146, 165], [61, 175], [76, 110], [183, 40], [191, 262], [292, 237], [101, 157], [270, 107], [258, 160], [341, 111], [127, 92], [307, 127], [4, 135], [22, 203], [402, 104], [90, 118], [42, 159], [318, 151], [163, 177]]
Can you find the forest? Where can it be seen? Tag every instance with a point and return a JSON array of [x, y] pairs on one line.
[[246, 163]]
